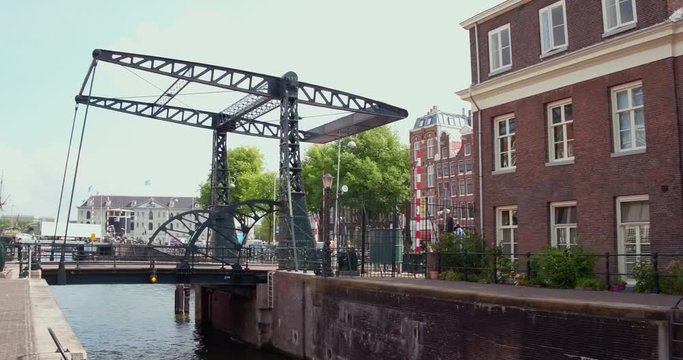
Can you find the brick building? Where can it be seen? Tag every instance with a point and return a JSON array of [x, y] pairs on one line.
[[578, 118], [443, 144]]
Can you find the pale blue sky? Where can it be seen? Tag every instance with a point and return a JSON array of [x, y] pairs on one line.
[[413, 55]]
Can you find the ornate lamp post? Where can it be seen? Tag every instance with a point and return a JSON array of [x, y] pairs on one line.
[[327, 252], [351, 144]]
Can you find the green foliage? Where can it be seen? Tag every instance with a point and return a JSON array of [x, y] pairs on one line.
[[561, 268], [245, 166], [376, 171], [644, 274], [590, 283]]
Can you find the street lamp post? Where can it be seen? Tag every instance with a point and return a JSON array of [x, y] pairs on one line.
[[327, 252], [350, 144]]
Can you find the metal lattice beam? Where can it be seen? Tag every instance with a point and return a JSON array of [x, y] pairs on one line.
[[190, 117]]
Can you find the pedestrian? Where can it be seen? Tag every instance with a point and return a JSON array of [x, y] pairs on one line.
[[458, 231]]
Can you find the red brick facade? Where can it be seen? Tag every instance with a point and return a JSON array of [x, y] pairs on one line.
[[452, 151], [598, 175]]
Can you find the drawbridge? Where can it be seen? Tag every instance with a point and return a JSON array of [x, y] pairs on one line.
[[262, 94]]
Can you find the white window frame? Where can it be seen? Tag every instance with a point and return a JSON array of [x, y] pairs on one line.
[[497, 33], [564, 227], [511, 226], [551, 40], [416, 149], [468, 149], [621, 247], [461, 187], [616, 130], [430, 148], [430, 176], [416, 178], [497, 137], [563, 123], [468, 169], [620, 24], [469, 186]]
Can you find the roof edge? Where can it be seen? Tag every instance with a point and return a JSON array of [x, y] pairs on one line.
[[492, 12]]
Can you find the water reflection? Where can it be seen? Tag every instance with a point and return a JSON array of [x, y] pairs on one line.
[[122, 322]]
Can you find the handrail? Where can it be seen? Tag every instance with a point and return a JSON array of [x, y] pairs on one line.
[[60, 348]]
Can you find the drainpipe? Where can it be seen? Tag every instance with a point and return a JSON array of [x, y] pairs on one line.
[[480, 174]]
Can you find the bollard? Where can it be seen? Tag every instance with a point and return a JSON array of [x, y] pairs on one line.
[[182, 299]]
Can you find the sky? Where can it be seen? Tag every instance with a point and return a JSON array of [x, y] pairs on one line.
[[411, 54]]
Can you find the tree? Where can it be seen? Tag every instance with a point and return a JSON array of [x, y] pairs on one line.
[[245, 168], [376, 170]]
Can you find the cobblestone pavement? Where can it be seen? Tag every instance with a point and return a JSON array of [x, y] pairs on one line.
[[15, 319]]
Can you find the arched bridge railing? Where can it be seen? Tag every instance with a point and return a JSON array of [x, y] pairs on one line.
[[186, 229]]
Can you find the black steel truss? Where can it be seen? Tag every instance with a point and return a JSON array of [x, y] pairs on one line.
[[266, 91], [264, 94]]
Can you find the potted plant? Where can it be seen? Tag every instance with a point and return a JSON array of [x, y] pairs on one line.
[[617, 284], [433, 260]]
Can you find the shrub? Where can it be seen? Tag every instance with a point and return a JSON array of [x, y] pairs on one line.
[[561, 268], [644, 274], [590, 283]]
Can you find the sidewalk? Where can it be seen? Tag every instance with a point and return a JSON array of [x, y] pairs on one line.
[[27, 309], [596, 302], [15, 317]]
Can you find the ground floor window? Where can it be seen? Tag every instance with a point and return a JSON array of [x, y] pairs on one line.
[[563, 224], [633, 232], [506, 228]]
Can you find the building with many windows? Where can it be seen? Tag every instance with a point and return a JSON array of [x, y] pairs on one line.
[[443, 173], [134, 218], [577, 110]]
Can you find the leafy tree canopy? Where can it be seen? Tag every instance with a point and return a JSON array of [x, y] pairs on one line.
[[376, 171], [245, 166]]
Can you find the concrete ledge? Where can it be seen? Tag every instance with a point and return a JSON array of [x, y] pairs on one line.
[[46, 313]]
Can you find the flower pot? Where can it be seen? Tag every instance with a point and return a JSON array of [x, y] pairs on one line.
[[433, 274], [617, 287]]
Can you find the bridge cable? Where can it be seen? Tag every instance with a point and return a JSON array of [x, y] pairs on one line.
[[78, 159], [61, 192]]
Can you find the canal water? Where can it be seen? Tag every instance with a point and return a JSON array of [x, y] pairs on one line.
[[122, 322]]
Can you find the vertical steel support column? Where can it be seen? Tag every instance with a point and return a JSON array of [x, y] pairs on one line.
[[295, 236], [225, 236], [219, 170]]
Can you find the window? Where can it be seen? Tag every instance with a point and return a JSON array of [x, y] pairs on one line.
[[468, 165], [633, 233], [439, 171], [461, 167], [470, 210], [151, 215], [454, 188], [151, 226], [87, 215], [444, 152], [553, 27], [563, 224], [452, 167], [505, 143], [628, 119], [417, 179], [430, 148], [468, 186], [618, 13], [500, 51], [132, 226], [462, 188], [468, 149], [561, 131], [430, 176], [506, 227], [431, 206], [416, 150], [445, 169]]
